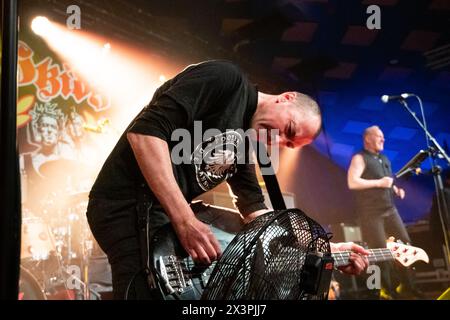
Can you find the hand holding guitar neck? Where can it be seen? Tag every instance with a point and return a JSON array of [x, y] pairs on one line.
[[404, 254]]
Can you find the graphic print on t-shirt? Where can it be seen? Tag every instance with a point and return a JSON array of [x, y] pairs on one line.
[[215, 159]]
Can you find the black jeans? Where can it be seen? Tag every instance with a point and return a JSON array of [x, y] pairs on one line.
[[376, 227], [115, 226]]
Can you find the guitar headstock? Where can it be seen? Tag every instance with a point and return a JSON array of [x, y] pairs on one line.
[[405, 254]]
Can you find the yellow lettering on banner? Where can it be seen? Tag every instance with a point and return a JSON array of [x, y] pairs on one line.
[[24, 104]]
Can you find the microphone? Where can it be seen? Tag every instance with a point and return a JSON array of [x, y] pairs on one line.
[[385, 98]]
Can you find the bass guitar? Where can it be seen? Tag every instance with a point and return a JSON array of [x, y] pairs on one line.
[[179, 277]]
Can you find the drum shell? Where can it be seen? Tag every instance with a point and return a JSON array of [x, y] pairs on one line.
[[37, 240], [29, 287]]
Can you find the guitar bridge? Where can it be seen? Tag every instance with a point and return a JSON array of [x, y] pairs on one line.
[[182, 276], [174, 271]]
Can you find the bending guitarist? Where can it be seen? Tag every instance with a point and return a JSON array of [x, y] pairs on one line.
[[149, 178], [370, 178]]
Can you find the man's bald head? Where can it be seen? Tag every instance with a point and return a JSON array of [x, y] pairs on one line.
[[373, 139], [309, 108]]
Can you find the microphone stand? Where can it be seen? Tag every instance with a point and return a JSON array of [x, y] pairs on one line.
[[435, 152]]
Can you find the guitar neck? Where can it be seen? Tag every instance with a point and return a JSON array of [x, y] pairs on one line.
[[375, 255]]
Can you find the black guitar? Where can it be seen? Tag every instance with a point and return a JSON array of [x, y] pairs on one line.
[[177, 274], [180, 278]]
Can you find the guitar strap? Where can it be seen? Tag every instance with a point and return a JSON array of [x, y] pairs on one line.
[[268, 174], [143, 208]]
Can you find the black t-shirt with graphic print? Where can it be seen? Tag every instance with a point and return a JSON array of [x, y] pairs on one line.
[[213, 95]]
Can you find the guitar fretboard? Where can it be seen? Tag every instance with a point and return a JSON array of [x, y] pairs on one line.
[[375, 255]]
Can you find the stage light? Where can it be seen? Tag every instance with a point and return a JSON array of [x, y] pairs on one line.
[[106, 48], [40, 25], [126, 76]]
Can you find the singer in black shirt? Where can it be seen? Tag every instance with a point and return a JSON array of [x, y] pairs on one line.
[[370, 179]]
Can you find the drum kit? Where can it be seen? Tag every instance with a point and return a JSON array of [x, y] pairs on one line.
[[56, 249]]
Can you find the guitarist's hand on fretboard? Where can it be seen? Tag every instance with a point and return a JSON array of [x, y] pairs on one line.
[[404, 254], [357, 260]]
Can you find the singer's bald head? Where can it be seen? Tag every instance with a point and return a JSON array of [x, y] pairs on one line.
[[373, 139]]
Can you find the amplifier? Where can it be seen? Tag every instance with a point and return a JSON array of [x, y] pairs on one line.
[[343, 232], [422, 236]]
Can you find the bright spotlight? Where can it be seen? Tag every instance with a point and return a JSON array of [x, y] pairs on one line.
[[162, 78], [40, 25], [106, 49]]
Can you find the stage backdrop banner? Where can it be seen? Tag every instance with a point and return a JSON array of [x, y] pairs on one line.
[[60, 120]]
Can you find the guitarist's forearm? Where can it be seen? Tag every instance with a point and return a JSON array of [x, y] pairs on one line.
[[157, 171]]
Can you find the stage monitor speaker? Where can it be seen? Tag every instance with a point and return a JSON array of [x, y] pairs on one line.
[[423, 237]]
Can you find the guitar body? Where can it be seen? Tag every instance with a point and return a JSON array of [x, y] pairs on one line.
[[178, 276]]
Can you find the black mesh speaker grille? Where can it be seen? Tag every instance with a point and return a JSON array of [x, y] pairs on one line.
[[264, 261]]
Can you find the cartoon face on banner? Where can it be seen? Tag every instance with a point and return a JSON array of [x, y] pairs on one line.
[[47, 120], [49, 134]]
